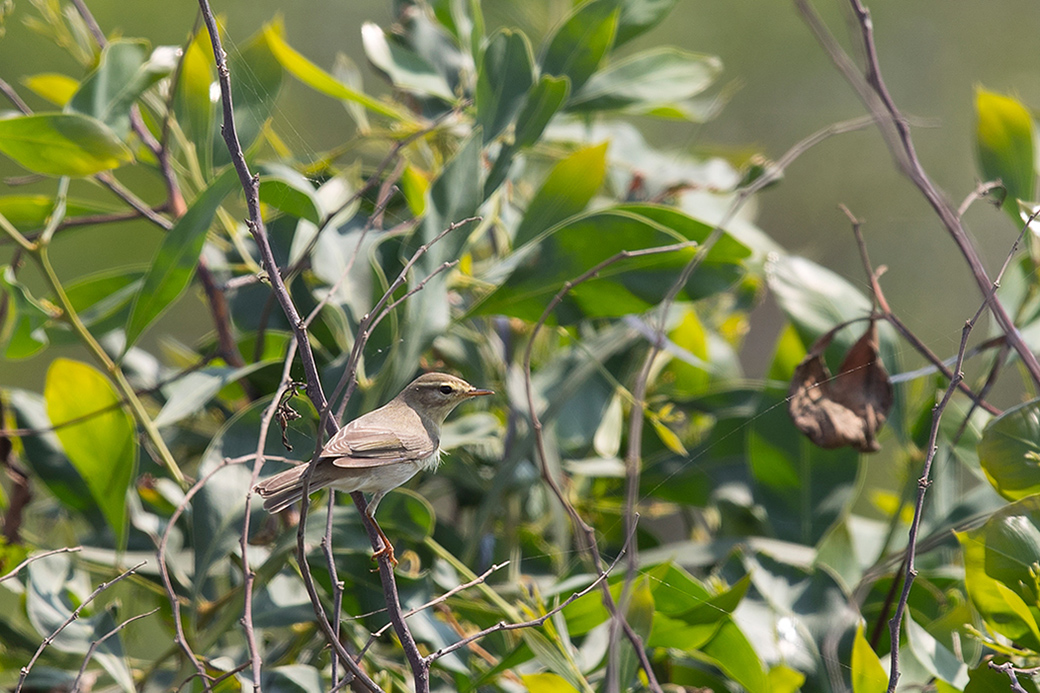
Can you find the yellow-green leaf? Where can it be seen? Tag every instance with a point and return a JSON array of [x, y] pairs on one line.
[[868, 676], [1004, 137], [314, 77], [62, 144], [547, 683], [100, 444], [53, 86]]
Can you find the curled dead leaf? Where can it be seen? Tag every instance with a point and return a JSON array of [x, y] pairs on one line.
[[847, 409]]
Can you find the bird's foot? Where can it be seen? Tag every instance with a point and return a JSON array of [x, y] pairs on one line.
[[388, 551]]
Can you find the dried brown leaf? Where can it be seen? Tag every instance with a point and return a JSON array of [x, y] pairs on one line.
[[849, 408]]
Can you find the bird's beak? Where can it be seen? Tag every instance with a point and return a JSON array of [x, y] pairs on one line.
[[475, 392]]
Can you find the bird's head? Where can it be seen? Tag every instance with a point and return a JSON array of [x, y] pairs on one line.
[[434, 395]]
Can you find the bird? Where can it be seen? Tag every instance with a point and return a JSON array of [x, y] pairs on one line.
[[378, 451]]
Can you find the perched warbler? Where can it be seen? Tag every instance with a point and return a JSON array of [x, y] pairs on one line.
[[380, 450]]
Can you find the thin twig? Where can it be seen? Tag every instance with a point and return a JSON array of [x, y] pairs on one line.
[[36, 557], [12, 96], [175, 603], [433, 602], [533, 623], [72, 617], [94, 645]]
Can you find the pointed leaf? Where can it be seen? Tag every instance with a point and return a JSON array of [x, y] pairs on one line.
[[55, 87], [174, 263], [503, 81], [868, 676], [639, 16], [405, 69], [578, 46], [193, 102], [648, 81], [566, 191], [101, 445], [314, 77], [1004, 137], [62, 144]]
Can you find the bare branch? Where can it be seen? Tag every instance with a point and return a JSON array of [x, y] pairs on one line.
[[72, 617], [94, 645], [36, 557]]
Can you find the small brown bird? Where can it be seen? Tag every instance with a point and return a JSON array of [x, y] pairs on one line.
[[380, 450]]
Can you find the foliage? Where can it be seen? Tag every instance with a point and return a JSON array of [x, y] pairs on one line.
[[758, 562]]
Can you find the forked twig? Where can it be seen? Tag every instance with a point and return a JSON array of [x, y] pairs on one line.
[[72, 617]]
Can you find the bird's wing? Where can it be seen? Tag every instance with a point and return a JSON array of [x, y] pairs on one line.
[[370, 446]]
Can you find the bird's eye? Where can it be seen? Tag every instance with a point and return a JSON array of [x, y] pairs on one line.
[[446, 389]]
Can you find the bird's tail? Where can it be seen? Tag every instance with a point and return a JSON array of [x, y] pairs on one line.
[[282, 490]]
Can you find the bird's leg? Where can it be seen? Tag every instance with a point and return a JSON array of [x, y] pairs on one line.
[[387, 549]]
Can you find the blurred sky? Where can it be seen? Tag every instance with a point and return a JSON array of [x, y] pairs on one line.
[[933, 52]]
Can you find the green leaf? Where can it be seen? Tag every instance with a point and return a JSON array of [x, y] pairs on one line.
[[193, 106], [288, 190], [174, 263], [55, 87], [543, 102], [579, 45], [321, 81], [936, 658], [31, 212], [103, 445], [102, 296], [1010, 451], [62, 144], [538, 270], [731, 652], [1004, 138], [190, 394], [566, 191], [868, 676], [23, 334], [647, 82], [639, 16], [504, 79], [405, 69], [803, 488], [1000, 560], [124, 72], [454, 196]]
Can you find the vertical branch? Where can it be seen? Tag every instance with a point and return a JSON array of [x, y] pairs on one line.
[[250, 185]]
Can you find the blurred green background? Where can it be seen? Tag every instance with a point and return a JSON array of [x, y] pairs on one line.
[[933, 53]]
